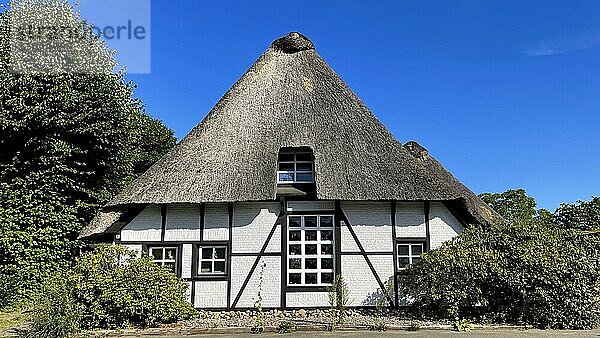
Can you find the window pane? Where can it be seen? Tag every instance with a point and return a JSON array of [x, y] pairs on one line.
[[295, 263], [326, 249], [326, 235], [295, 249], [286, 166], [170, 267], [417, 250], [310, 249], [220, 267], [295, 235], [286, 177], [170, 254], [220, 253], [326, 263], [415, 260], [403, 250], [305, 177], [286, 157], [310, 235], [302, 167], [295, 278], [310, 221], [310, 263], [295, 221], [326, 221], [157, 253], [206, 267], [402, 262], [310, 278], [207, 253], [326, 278], [304, 157]]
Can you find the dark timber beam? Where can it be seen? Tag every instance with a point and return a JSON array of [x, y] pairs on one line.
[[394, 249], [364, 254], [256, 261]]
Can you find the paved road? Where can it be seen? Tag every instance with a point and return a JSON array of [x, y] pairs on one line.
[[420, 334]]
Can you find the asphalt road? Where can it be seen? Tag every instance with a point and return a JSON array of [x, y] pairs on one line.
[[423, 333]]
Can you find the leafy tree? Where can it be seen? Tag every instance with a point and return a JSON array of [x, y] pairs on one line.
[[72, 135], [583, 215], [512, 204]]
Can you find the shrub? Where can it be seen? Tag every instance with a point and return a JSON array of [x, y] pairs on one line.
[[286, 327], [338, 295], [110, 288], [532, 272], [462, 326]]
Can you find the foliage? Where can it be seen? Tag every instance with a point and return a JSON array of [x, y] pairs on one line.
[[413, 327], [381, 303], [462, 325], [70, 140], [338, 295], [286, 327], [109, 288], [533, 271], [259, 325], [513, 205], [583, 215]]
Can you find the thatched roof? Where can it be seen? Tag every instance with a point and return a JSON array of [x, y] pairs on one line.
[[290, 97]]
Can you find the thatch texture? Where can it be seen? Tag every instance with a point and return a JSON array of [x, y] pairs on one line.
[[290, 98]]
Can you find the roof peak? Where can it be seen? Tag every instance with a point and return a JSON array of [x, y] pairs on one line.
[[293, 42]]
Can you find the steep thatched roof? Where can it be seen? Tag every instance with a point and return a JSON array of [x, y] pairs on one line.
[[291, 98]]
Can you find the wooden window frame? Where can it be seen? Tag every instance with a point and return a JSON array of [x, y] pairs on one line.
[[295, 163], [303, 256], [199, 259], [410, 242], [163, 260]]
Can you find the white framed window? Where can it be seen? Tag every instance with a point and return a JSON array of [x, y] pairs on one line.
[[408, 253], [310, 250], [212, 260], [165, 256], [295, 167]]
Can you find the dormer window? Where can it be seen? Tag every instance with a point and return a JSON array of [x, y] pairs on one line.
[[295, 167]]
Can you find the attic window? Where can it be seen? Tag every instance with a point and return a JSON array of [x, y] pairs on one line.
[[295, 167]]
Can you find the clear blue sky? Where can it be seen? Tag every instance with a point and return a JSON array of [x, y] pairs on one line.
[[505, 94]]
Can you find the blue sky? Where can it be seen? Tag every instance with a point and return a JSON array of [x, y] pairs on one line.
[[505, 94]]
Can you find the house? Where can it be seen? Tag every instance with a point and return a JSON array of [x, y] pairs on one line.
[[292, 178]]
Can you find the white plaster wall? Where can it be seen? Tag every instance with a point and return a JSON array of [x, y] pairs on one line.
[[306, 299], [216, 222], [275, 242], [186, 261], [183, 222], [146, 226], [410, 220], [363, 287], [348, 244], [310, 206], [371, 222], [210, 294], [188, 291], [271, 287], [442, 225], [252, 223]]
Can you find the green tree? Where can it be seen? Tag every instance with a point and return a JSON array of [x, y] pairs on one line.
[[70, 138], [513, 204]]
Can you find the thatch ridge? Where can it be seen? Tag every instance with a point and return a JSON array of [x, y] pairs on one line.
[[290, 97]]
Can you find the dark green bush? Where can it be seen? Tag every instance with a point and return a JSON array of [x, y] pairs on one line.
[[110, 288], [533, 272]]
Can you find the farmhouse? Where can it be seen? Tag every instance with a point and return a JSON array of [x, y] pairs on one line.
[[292, 178]]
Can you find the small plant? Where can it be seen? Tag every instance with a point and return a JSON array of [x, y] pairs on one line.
[[381, 304], [286, 327], [463, 325], [338, 296], [259, 321], [414, 327]]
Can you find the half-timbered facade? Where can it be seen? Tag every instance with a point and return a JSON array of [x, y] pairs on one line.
[[289, 177]]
